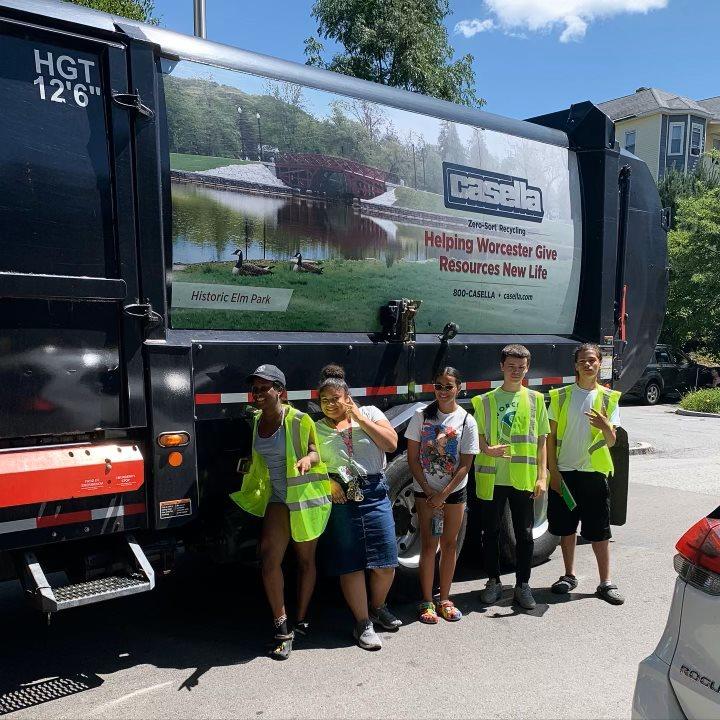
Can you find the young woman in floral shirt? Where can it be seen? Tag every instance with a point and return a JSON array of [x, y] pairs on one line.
[[442, 442]]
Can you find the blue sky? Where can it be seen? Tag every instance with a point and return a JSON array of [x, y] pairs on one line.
[[530, 57]]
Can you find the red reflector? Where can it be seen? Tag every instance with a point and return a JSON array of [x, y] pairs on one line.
[[701, 544]]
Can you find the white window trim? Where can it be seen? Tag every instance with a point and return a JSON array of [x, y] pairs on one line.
[[634, 144], [701, 132], [681, 125]]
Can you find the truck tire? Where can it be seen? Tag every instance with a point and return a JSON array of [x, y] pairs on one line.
[[651, 393], [407, 532], [545, 543]]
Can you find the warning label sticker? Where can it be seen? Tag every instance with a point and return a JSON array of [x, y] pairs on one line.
[[175, 508]]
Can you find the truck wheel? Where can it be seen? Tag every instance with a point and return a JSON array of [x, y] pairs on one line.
[[651, 394], [545, 543], [407, 532]]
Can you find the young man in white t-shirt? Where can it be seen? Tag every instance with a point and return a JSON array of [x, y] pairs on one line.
[[570, 464]]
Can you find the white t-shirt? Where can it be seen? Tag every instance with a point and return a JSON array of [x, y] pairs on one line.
[[442, 440], [367, 457], [573, 453]]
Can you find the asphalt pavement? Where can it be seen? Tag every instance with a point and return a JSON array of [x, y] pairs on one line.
[[195, 646]]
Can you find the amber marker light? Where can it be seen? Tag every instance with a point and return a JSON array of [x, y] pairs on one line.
[[173, 439], [175, 459]]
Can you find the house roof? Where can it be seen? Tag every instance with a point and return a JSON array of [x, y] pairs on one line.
[[648, 101], [712, 105]]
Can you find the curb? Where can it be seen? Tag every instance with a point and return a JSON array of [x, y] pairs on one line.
[[641, 448], [695, 413]]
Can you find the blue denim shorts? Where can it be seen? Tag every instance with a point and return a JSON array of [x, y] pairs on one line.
[[360, 535]]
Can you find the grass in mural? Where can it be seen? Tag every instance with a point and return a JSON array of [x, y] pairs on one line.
[[426, 201], [180, 161], [345, 298]]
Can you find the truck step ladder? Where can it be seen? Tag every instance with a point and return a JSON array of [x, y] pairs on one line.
[[137, 577]]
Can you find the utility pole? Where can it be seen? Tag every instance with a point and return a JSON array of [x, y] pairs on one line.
[[199, 16]]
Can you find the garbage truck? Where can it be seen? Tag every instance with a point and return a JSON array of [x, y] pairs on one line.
[[175, 212]]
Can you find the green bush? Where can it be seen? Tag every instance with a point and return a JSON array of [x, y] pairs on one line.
[[707, 400]]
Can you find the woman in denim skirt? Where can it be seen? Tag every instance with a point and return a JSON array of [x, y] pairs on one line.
[[360, 535]]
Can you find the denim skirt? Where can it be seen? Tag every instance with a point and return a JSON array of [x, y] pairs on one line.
[[361, 535]]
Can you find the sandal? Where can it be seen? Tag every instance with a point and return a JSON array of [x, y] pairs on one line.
[[448, 610], [427, 614], [564, 584], [284, 647], [610, 594]]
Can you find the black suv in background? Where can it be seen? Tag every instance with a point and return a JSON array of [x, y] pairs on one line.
[[672, 372]]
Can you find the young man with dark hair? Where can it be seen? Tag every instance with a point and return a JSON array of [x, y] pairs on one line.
[[510, 468], [583, 417]]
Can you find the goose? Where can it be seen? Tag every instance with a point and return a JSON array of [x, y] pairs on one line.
[[301, 265], [245, 268]]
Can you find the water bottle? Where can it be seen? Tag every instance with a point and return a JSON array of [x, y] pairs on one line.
[[437, 522]]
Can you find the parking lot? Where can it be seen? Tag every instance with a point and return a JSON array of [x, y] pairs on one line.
[[195, 647]]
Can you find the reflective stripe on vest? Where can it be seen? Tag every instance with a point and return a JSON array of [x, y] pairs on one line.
[[605, 402], [308, 496], [523, 443]]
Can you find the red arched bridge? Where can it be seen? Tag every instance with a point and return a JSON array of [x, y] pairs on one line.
[[331, 175]]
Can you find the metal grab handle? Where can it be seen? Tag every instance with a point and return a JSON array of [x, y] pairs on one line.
[[143, 311], [132, 101]]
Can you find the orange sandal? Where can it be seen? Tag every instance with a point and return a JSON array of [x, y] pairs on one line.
[[427, 614], [448, 610]]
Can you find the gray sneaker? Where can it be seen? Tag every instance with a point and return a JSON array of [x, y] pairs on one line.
[[366, 637], [492, 592], [524, 597], [383, 617]]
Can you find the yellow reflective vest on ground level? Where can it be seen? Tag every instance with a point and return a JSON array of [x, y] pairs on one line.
[[523, 441], [605, 402], [308, 496]]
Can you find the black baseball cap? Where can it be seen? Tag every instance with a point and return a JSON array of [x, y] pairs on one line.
[[268, 372]]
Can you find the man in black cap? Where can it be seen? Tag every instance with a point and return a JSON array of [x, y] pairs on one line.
[[279, 460]]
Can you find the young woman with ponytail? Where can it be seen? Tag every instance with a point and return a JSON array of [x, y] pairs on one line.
[[442, 442], [360, 535]]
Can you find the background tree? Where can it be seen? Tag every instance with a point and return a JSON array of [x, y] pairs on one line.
[[692, 320], [142, 10], [693, 312], [394, 42]]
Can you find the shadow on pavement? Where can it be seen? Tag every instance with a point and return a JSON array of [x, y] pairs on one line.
[[202, 617]]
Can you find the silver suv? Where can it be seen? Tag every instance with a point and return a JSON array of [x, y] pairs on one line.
[[681, 679]]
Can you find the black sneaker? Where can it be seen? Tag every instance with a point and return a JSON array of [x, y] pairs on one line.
[[302, 628], [384, 618]]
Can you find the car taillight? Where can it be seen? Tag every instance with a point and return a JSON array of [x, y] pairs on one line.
[[698, 561]]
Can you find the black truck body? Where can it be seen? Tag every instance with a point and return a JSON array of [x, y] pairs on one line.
[[95, 359]]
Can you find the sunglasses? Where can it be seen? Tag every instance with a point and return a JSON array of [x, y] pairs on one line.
[[446, 388]]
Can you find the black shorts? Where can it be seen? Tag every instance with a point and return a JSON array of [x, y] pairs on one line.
[[592, 495], [454, 498]]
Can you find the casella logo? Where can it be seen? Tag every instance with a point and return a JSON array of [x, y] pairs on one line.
[[491, 193]]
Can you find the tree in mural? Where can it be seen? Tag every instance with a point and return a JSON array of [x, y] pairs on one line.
[[450, 145]]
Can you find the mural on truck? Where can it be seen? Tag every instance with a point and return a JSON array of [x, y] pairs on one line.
[[297, 209]]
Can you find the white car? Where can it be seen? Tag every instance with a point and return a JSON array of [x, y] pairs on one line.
[[681, 679]]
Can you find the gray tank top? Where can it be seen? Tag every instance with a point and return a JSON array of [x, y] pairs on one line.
[[272, 451]]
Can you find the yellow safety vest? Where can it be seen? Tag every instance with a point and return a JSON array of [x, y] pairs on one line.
[[605, 402], [523, 441], [308, 496]]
